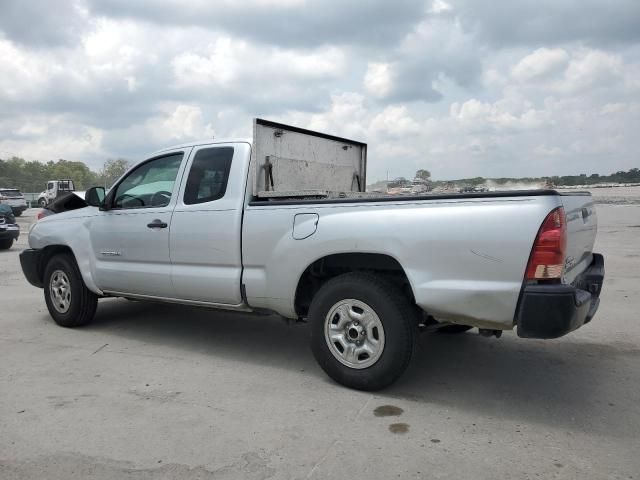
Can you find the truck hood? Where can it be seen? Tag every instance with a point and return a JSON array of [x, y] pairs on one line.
[[65, 203]]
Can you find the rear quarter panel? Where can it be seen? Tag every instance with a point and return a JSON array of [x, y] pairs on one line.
[[465, 258]]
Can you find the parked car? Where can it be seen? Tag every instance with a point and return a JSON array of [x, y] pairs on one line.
[[9, 229], [282, 224], [14, 198]]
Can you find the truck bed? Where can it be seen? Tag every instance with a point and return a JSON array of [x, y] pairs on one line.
[[464, 254]]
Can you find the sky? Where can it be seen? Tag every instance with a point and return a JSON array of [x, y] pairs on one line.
[[459, 87]]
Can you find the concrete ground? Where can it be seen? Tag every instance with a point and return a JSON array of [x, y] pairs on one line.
[[156, 391]]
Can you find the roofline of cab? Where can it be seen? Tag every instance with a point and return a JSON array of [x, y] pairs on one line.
[[211, 141]]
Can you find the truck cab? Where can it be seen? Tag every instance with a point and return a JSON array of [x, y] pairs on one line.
[[55, 189]]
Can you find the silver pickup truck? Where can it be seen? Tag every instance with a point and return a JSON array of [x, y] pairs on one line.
[[282, 224]]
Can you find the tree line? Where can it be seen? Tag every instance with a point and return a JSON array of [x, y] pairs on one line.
[[630, 176], [32, 176]]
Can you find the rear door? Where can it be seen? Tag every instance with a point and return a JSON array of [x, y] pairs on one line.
[[205, 237], [130, 241], [582, 225]]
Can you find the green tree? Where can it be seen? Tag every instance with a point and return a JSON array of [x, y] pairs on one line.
[[423, 174], [399, 182], [81, 175], [113, 169]]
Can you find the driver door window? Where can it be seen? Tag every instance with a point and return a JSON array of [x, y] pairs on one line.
[[149, 185]]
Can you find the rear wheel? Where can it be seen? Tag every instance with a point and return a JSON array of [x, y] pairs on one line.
[[363, 331], [69, 301], [6, 244]]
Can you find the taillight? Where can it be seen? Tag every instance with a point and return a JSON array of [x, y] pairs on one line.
[[40, 215], [548, 253]]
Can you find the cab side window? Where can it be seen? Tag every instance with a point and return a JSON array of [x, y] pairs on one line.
[[149, 185], [208, 175]]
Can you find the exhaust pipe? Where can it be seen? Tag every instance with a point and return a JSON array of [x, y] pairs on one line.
[[486, 332]]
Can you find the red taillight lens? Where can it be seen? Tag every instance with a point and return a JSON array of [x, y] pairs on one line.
[[548, 253], [40, 215]]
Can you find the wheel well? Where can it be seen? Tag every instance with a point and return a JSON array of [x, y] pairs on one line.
[[49, 252], [325, 268]]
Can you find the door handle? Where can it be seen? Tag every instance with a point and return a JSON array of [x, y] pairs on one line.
[[157, 223]]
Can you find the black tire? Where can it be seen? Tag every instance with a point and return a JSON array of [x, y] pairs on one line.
[[17, 213], [83, 302], [454, 329], [42, 202], [6, 243], [398, 319]]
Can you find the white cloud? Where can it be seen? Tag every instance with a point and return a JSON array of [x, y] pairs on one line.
[[346, 116], [180, 123], [219, 67], [439, 6], [394, 120], [377, 80], [50, 142], [227, 60], [503, 116], [592, 69], [21, 74], [540, 63]]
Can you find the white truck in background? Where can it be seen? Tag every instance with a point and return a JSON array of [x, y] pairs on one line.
[[282, 224], [54, 190]]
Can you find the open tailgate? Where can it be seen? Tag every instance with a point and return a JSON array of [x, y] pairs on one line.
[[582, 225]]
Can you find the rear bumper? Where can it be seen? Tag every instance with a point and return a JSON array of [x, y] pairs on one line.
[[551, 311], [30, 263]]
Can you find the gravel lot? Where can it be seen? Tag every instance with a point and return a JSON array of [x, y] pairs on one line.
[[157, 391]]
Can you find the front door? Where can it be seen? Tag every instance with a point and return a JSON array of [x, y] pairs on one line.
[[130, 239]]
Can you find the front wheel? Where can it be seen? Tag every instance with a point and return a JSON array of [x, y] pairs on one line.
[[363, 331], [69, 301], [6, 244], [42, 202]]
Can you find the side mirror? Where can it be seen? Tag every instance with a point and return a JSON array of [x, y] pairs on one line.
[[95, 196]]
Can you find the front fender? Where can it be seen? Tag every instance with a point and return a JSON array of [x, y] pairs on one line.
[[68, 230]]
